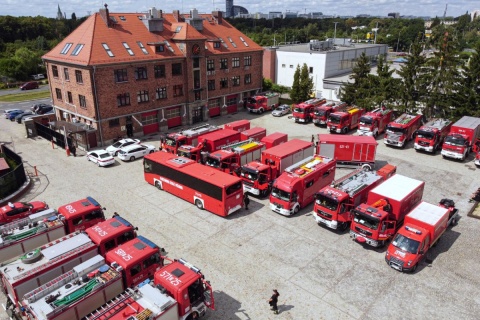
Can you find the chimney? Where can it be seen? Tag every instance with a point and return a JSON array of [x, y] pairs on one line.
[[177, 16], [105, 15], [218, 16]]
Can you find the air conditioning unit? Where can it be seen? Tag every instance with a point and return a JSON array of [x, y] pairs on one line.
[[65, 115], [75, 120]]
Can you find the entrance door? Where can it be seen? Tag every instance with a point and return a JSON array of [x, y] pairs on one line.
[[197, 115]]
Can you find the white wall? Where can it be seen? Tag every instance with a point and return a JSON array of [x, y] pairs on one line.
[[285, 74]]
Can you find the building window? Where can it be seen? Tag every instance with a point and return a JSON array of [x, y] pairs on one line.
[[58, 93], [159, 48], [247, 61], [159, 71], [123, 99], [142, 96], [216, 44], [77, 49], [176, 69], [66, 48], [178, 90], [291, 66], [211, 85], [196, 63], [224, 83], [78, 76], [83, 102], [55, 71], [161, 93], [114, 123], [172, 113], [310, 69], [248, 78], [107, 49], [235, 62], [127, 47], [236, 81], [224, 63], [140, 73], [210, 65], [121, 75], [198, 95], [69, 96], [214, 103], [232, 101], [150, 119], [65, 74], [283, 65]]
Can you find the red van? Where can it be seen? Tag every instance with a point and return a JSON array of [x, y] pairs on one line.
[[29, 85]]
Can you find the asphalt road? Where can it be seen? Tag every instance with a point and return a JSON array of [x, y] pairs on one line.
[[320, 274]]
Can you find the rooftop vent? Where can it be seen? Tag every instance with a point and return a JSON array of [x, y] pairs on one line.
[[153, 20]]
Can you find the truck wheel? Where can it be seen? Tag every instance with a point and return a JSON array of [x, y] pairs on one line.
[[345, 130], [367, 167], [158, 185], [199, 204], [414, 268], [260, 111], [343, 226], [297, 208]]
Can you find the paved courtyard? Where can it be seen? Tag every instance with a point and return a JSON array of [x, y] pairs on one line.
[[320, 274]]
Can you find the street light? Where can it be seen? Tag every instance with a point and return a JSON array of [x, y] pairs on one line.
[[335, 33], [398, 41]]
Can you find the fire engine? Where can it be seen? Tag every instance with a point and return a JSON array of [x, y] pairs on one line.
[[321, 113], [303, 112], [297, 186], [430, 136], [187, 137], [333, 203], [374, 122], [35, 268], [233, 156], [402, 130], [344, 121], [462, 138], [262, 102]]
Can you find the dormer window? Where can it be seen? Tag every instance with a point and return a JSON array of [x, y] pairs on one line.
[[216, 45], [159, 48]]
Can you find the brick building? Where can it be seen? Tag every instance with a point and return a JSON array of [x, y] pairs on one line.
[[135, 74]]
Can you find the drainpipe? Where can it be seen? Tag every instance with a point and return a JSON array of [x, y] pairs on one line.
[[96, 105]]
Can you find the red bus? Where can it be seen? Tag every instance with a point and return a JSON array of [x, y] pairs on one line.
[[208, 188]]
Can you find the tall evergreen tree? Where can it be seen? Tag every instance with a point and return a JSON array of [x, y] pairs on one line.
[[306, 83], [469, 92], [359, 91], [295, 92]]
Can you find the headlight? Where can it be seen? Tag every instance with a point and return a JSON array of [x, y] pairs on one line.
[[387, 254], [409, 262]]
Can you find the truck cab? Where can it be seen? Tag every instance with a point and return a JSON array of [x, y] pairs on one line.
[[81, 214], [173, 141], [456, 146], [430, 136], [344, 121], [190, 152], [374, 122], [257, 178], [372, 225], [223, 160]]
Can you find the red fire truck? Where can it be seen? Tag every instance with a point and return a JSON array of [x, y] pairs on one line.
[[79, 291], [208, 188], [402, 130], [321, 113], [178, 292], [262, 102], [296, 187], [462, 138], [258, 176], [424, 226], [303, 112], [377, 220], [374, 122], [239, 125], [256, 134], [274, 139], [45, 226], [187, 137], [476, 149], [208, 143], [333, 203], [344, 121], [35, 268], [430, 136], [232, 157]]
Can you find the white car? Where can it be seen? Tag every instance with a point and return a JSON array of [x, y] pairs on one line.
[[114, 149], [101, 157], [281, 110], [135, 151], [6, 113]]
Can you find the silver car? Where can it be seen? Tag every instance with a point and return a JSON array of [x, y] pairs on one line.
[[135, 151], [281, 110]]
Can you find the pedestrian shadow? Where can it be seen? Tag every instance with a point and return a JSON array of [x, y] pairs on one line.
[[254, 206], [285, 308]]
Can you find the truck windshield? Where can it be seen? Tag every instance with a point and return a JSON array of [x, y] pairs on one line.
[[185, 154], [365, 220], [250, 175], [395, 129], [212, 162], [456, 140], [299, 110], [326, 202], [425, 134], [170, 142], [252, 100], [334, 118], [405, 244], [366, 120], [319, 113], [280, 194]]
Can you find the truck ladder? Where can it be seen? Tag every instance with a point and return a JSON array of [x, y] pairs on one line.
[[337, 184], [203, 126], [237, 144], [113, 306]]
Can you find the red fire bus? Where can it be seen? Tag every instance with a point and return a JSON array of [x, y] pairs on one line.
[[208, 188]]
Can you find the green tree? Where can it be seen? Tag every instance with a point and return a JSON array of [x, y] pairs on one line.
[[295, 92], [306, 83], [469, 92], [280, 89], [358, 92], [386, 87], [267, 84]]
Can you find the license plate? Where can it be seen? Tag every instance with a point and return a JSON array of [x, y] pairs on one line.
[[322, 220], [396, 267]]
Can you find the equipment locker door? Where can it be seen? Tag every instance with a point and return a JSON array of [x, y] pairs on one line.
[[357, 152], [327, 150]]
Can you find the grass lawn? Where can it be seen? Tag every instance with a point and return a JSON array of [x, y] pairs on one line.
[[25, 96]]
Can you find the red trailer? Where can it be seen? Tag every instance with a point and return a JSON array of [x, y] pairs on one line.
[[402, 130], [256, 133], [377, 220], [239, 125], [349, 151], [274, 139], [462, 138]]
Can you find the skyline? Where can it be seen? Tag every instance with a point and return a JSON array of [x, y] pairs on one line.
[[81, 8]]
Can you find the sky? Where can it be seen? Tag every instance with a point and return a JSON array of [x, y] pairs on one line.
[[81, 8]]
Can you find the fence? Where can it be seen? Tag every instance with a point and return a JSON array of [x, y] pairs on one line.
[[52, 135], [13, 180]]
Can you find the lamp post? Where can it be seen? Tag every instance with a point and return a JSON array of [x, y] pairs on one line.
[[335, 33], [398, 41]]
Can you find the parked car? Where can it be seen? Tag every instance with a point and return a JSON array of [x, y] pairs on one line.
[[114, 149], [38, 76], [29, 85], [21, 116], [101, 157], [135, 151], [281, 110], [7, 112], [38, 106], [12, 115], [44, 109], [19, 210]]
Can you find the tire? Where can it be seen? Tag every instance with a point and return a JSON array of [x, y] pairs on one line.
[[152, 151], [132, 158], [295, 211], [367, 167], [414, 268], [260, 111], [116, 153], [343, 226], [345, 130], [158, 185], [199, 204], [98, 164]]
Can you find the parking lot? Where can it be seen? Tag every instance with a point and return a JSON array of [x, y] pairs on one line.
[[320, 274]]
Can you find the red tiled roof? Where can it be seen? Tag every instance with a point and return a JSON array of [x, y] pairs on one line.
[[93, 33]]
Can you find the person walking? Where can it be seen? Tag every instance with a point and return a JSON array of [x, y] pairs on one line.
[[246, 201], [73, 149], [313, 138], [273, 301]]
